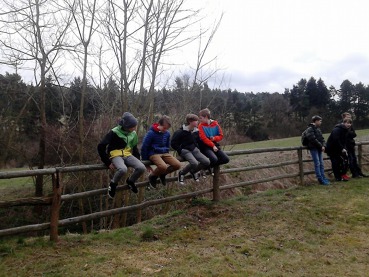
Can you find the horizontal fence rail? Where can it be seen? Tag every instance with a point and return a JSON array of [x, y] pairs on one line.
[[57, 197]]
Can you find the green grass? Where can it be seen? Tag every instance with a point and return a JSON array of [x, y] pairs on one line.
[[303, 231]]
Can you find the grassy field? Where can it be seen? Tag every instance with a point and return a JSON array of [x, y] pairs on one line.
[[303, 231]]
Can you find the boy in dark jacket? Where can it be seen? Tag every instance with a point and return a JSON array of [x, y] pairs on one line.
[[185, 144], [118, 150], [316, 145], [352, 160], [337, 149], [155, 147]]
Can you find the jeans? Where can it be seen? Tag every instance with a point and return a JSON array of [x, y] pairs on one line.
[[121, 164], [196, 161], [318, 164]]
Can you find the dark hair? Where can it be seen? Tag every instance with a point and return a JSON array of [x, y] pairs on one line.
[[165, 120], [316, 118], [347, 120], [205, 113], [191, 117]]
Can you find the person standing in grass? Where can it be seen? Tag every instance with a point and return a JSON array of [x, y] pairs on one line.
[[155, 147], [316, 146], [118, 150], [352, 160], [184, 142], [210, 134], [337, 149]]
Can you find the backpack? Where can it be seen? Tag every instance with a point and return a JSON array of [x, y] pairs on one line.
[[304, 139]]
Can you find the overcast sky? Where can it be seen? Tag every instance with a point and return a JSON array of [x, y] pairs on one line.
[[269, 45]]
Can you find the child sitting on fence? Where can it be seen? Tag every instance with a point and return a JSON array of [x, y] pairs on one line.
[[210, 134], [185, 144], [155, 147], [118, 150]]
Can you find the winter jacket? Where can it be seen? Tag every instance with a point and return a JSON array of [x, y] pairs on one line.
[[315, 137], [155, 142], [210, 130], [337, 140], [350, 139], [118, 143], [183, 139]]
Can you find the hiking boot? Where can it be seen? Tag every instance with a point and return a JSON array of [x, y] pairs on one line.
[[152, 181], [181, 178], [163, 180], [111, 190], [132, 186], [195, 176]]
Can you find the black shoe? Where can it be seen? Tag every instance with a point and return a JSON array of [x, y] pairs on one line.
[[163, 180], [152, 181], [132, 186], [180, 178], [357, 176], [362, 174], [195, 176], [111, 190], [211, 171]]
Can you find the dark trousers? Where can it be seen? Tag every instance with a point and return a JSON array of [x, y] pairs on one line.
[[216, 158], [353, 165], [339, 165]]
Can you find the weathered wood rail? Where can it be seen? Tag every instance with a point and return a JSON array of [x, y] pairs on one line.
[[57, 198]]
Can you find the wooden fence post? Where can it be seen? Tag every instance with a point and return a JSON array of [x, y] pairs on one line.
[[301, 166], [55, 207], [216, 190]]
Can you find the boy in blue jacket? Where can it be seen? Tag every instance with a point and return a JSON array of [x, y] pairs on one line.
[[155, 147], [118, 150]]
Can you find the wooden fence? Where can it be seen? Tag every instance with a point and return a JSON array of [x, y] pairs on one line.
[[57, 197]]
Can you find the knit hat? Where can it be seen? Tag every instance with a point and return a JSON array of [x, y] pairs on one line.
[[128, 121]]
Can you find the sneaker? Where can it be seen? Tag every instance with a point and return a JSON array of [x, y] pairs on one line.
[[363, 175], [341, 180], [163, 180], [211, 171], [132, 186], [181, 178], [203, 173], [326, 182], [152, 181], [195, 176], [345, 177], [111, 190]]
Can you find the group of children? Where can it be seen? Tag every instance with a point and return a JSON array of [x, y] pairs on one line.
[[340, 147], [197, 143]]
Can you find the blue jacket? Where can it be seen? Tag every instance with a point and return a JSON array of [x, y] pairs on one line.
[[155, 142]]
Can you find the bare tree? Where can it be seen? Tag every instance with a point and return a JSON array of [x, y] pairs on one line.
[[34, 31]]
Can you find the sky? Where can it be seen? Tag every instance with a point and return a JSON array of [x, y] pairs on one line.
[[269, 45]]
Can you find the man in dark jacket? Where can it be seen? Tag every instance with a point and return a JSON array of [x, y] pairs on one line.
[[337, 149], [316, 145], [184, 142]]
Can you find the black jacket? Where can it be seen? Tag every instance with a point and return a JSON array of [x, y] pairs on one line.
[[337, 140], [315, 137], [112, 142], [183, 139]]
